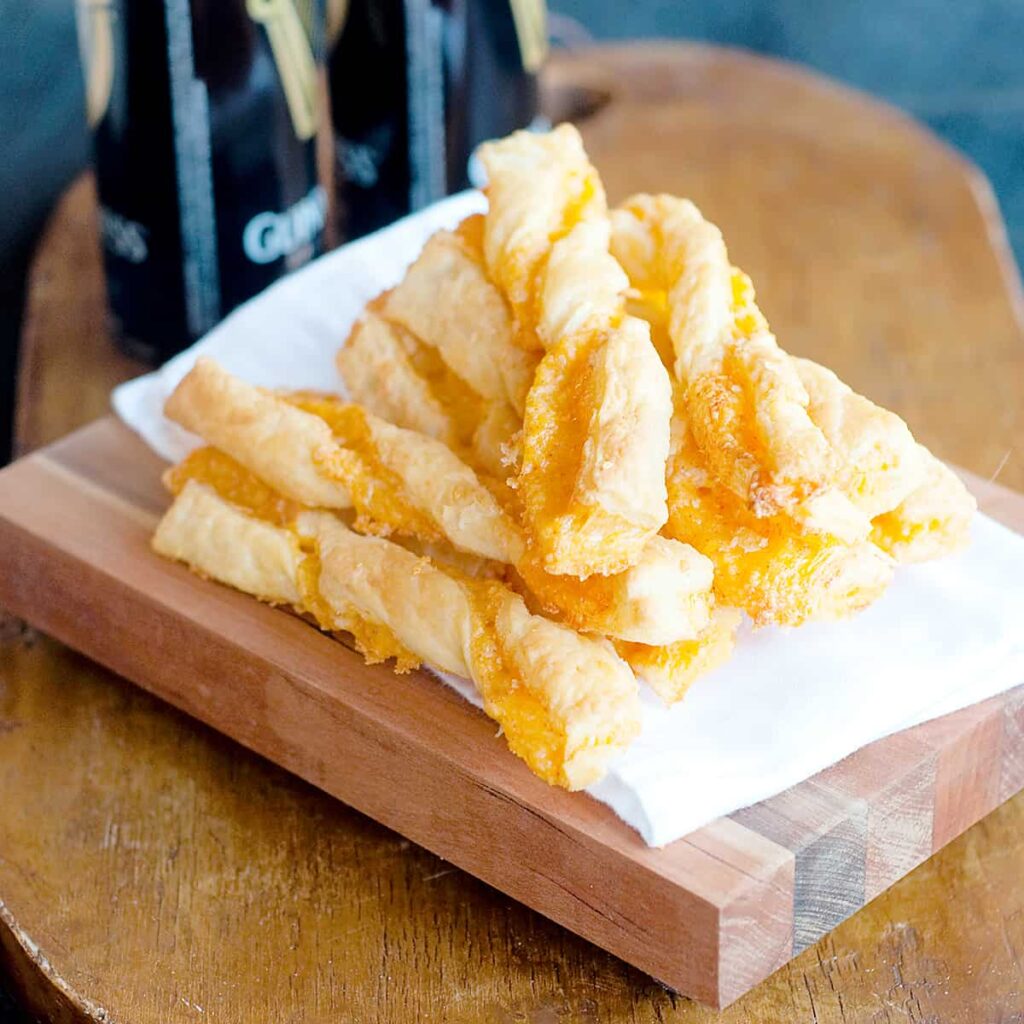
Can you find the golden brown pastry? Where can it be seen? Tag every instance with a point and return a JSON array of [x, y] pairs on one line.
[[427, 475], [324, 453], [376, 365], [781, 560], [566, 704], [595, 430], [221, 541], [279, 443], [747, 407], [664, 598], [447, 301], [932, 521], [878, 461], [767, 565], [539, 186], [671, 669], [439, 353], [226, 542]]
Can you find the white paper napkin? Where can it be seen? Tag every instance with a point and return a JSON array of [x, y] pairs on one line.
[[791, 702]]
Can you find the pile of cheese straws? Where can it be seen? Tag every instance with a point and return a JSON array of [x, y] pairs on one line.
[[578, 454]]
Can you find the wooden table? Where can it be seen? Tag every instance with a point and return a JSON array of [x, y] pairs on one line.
[[152, 871]]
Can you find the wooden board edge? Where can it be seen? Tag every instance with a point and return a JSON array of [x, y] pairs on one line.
[[552, 870], [728, 920], [958, 783]]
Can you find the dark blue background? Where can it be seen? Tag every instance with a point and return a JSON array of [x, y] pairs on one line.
[[957, 65]]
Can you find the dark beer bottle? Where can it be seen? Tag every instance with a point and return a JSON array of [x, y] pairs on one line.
[[205, 114], [415, 86]]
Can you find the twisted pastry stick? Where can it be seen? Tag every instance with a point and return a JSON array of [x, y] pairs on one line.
[[765, 564], [566, 704], [747, 406], [400, 481], [439, 353], [232, 545], [539, 187], [324, 453], [448, 302], [595, 431], [378, 365]]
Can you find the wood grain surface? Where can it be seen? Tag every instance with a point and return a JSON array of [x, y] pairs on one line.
[[710, 915], [875, 249]]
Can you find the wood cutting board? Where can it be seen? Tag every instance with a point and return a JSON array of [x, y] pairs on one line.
[[709, 915]]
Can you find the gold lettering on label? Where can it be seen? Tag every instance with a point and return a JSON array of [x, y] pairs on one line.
[[96, 44], [294, 58], [531, 20]]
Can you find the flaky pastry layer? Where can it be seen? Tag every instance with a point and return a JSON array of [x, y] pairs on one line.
[[595, 430], [665, 597], [566, 704], [932, 521], [671, 669], [747, 406], [440, 353], [767, 565], [322, 452]]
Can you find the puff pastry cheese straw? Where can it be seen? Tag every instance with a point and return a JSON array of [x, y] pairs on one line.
[[767, 565], [228, 543], [780, 566], [747, 405], [566, 704], [448, 302], [539, 186], [438, 353], [671, 669], [595, 429], [933, 520], [324, 453], [376, 364], [279, 443], [222, 542]]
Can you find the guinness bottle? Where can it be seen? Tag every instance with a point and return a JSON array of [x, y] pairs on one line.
[[415, 86], [205, 114]]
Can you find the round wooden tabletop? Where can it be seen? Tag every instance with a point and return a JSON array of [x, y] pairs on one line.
[[153, 871]]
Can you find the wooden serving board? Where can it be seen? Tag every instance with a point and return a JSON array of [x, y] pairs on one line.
[[709, 915]]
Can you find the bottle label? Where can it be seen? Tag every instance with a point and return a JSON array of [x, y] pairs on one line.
[[123, 237], [269, 235], [95, 20], [428, 170], [293, 54], [531, 19], [190, 115]]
